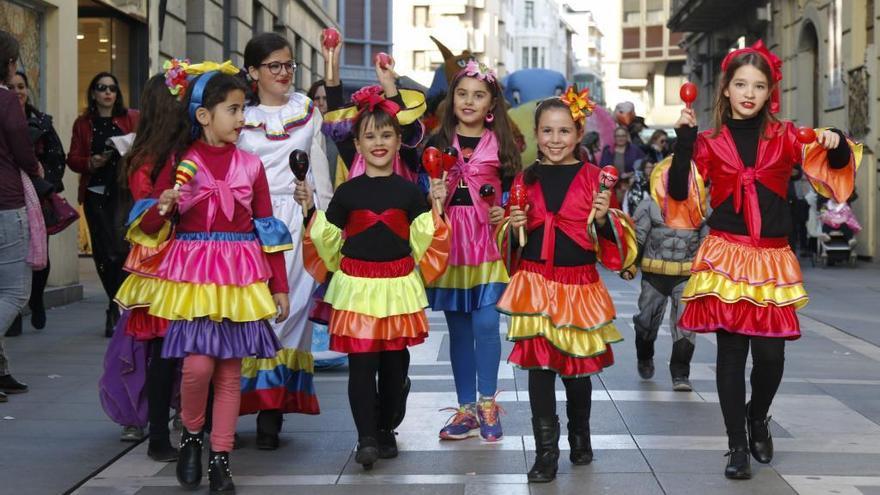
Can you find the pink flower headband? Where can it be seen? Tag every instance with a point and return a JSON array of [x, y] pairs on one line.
[[479, 71]]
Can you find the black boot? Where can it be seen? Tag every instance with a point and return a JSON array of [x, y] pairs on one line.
[[760, 440], [160, 450], [581, 452], [546, 430], [14, 329], [268, 427], [680, 364], [367, 452], [189, 462], [401, 412], [738, 467], [387, 444], [219, 475], [108, 324]]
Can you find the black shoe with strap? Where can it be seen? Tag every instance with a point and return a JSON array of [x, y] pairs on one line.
[[646, 368], [401, 411], [189, 461], [546, 430], [10, 385], [219, 474], [268, 428], [760, 440], [162, 451], [367, 452], [581, 452], [387, 444], [738, 466]]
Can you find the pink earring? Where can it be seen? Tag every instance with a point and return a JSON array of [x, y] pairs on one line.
[[490, 118]]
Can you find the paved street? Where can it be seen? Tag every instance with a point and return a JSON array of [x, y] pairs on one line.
[[648, 439]]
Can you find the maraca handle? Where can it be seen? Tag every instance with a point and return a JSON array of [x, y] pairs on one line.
[[162, 209], [522, 236]]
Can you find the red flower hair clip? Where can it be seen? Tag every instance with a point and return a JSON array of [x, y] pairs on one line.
[[370, 98]]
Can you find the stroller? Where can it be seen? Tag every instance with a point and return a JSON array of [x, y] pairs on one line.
[[834, 227]]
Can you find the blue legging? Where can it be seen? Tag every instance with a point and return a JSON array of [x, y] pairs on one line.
[[475, 352]]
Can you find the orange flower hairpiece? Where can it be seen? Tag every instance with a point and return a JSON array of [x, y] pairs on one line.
[[579, 103]]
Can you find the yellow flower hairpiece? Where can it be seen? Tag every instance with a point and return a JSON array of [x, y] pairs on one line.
[[579, 104]]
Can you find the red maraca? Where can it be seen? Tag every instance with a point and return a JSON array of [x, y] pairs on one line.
[[519, 198], [487, 194], [331, 41], [688, 93], [607, 180], [806, 135], [383, 59], [449, 159], [299, 165], [431, 160]]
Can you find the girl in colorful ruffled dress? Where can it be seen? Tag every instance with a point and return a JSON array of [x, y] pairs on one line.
[[162, 135], [561, 315], [745, 281], [222, 276], [476, 124], [277, 123], [376, 231]]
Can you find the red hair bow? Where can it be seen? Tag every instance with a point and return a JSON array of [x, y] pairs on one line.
[[772, 60], [370, 98]]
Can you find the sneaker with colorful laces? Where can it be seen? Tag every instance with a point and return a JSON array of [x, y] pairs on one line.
[[463, 424], [488, 412]]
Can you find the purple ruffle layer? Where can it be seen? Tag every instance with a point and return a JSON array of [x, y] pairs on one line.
[[221, 340]]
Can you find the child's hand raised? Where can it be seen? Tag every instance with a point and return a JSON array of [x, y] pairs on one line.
[[438, 191], [518, 217], [601, 202], [304, 195], [167, 200], [283, 305], [336, 51], [828, 139], [387, 77], [688, 118]]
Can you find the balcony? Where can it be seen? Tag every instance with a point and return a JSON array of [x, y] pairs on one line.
[[707, 15]]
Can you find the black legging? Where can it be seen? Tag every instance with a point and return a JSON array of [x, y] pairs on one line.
[[768, 361], [160, 386], [105, 216], [372, 406], [542, 393]]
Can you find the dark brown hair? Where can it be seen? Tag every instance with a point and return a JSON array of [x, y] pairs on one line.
[[163, 131], [378, 117], [502, 126], [722, 103], [530, 175], [9, 51], [118, 105], [258, 49], [216, 90], [313, 89]]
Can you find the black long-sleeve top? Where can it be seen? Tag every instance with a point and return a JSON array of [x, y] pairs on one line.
[[775, 214]]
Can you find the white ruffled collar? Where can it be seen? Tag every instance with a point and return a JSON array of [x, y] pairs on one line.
[[277, 123]]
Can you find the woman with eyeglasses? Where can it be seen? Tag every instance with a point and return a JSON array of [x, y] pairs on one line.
[[92, 156], [277, 122]]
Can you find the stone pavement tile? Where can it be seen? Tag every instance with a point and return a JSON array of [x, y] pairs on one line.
[[670, 418], [479, 462], [604, 461], [599, 484], [316, 490], [865, 399], [448, 385], [765, 481], [838, 464], [686, 461]]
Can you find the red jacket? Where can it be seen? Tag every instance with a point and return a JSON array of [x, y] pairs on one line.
[[81, 144]]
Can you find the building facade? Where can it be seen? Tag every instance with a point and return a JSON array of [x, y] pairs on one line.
[[367, 29], [831, 72], [542, 37]]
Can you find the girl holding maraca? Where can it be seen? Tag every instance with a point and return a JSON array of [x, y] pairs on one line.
[[561, 313], [478, 148], [745, 281], [278, 122], [223, 275]]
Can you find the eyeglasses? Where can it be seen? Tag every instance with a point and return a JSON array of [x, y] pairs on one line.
[[275, 67], [100, 88]]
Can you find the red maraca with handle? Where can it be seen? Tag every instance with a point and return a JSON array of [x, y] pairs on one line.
[[688, 93], [299, 165], [431, 160], [806, 135], [383, 59], [487, 194], [448, 160], [331, 41], [184, 173], [607, 180], [520, 198]]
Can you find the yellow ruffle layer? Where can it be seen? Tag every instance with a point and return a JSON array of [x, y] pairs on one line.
[[467, 277], [571, 341], [377, 297], [137, 236], [136, 291], [186, 301], [708, 283], [292, 359], [327, 239]]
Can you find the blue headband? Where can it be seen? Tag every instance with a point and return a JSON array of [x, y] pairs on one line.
[[195, 101]]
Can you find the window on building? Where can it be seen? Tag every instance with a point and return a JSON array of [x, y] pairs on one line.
[[534, 56], [869, 21], [654, 37], [543, 60], [654, 12], [476, 18], [631, 38], [631, 11], [420, 61], [530, 13], [525, 57], [421, 15]]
